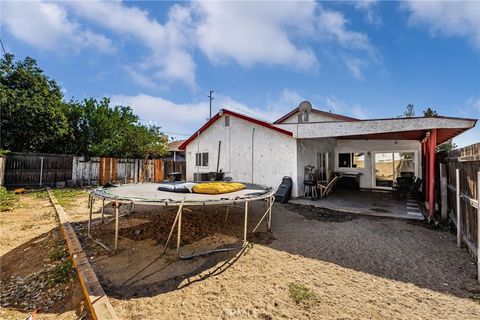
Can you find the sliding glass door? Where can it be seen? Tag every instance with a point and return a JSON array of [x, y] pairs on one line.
[[388, 166]]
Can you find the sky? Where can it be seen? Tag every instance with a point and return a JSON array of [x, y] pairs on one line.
[[366, 59]]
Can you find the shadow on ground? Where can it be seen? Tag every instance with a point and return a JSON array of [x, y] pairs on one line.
[[388, 248]]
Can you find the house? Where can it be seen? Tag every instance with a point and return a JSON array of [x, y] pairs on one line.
[[374, 152], [176, 154]]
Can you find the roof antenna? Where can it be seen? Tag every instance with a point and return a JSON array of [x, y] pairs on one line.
[[211, 99]]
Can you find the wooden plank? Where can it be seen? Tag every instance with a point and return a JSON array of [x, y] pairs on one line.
[[98, 302], [100, 171], [114, 170]]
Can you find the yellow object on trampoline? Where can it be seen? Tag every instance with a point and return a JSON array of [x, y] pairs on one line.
[[217, 187]]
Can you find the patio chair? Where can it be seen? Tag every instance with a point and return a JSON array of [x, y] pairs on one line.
[[326, 189]]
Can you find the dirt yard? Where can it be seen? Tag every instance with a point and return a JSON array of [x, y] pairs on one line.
[[35, 271], [314, 265]]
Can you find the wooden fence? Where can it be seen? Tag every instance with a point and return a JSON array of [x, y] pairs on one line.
[[96, 170], [36, 170], [461, 194]]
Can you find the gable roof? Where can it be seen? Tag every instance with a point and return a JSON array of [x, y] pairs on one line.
[[237, 115], [323, 113], [174, 145]]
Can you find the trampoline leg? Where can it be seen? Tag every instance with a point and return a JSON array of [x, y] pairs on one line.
[[179, 231], [245, 224], [173, 227], [226, 216], [89, 219], [103, 208], [116, 226], [267, 214], [269, 221]]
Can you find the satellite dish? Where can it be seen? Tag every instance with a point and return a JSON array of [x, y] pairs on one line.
[[305, 107]]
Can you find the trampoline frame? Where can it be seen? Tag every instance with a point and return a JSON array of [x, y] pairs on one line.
[[100, 193]]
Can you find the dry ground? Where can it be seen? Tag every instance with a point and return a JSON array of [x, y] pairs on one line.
[[31, 251], [354, 267]]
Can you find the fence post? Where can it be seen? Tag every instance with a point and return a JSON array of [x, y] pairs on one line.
[[41, 171], [443, 191], [459, 220], [478, 226]]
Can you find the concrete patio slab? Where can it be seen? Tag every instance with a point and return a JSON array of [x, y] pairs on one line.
[[374, 203]]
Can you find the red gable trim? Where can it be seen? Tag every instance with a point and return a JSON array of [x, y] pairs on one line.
[[183, 146], [323, 113]]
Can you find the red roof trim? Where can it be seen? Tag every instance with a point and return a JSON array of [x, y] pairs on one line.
[[324, 113], [183, 146]]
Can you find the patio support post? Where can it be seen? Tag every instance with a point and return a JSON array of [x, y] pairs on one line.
[[431, 174], [426, 144]]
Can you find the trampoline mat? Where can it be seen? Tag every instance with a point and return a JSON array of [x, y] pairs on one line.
[[147, 193]]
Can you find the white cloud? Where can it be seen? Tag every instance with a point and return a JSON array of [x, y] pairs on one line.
[[368, 7], [255, 32], [447, 18], [169, 43], [182, 119], [341, 107], [247, 33], [47, 26]]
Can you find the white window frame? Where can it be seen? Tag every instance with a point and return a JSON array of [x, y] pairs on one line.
[[202, 160], [374, 177]]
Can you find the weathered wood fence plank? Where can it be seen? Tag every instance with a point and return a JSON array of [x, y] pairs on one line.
[[463, 197]]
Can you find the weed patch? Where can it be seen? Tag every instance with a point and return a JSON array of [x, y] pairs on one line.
[[302, 295], [63, 272], [8, 200]]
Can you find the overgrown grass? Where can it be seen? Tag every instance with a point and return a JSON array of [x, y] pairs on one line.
[[58, 252], [302, 295], [63, 272], [66, 197], [7, 200]]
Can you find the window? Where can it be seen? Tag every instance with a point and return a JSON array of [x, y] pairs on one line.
[[303, 117], [201, 159], [351, 160], [227, 121]]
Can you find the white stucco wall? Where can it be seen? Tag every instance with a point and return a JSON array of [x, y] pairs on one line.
[[369, 147], [274, 153], [307, 150], [312, 117]]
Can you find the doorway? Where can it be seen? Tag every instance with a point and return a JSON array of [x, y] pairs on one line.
[[388, 166]]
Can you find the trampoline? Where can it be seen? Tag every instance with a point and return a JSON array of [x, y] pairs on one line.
[[148, 194]]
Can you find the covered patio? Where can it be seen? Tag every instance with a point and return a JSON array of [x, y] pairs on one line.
[[367, 202]]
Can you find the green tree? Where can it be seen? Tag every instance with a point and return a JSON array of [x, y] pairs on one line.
[[410, 112], [430, 113], [32, 117], [102, 130], [35, 118]]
